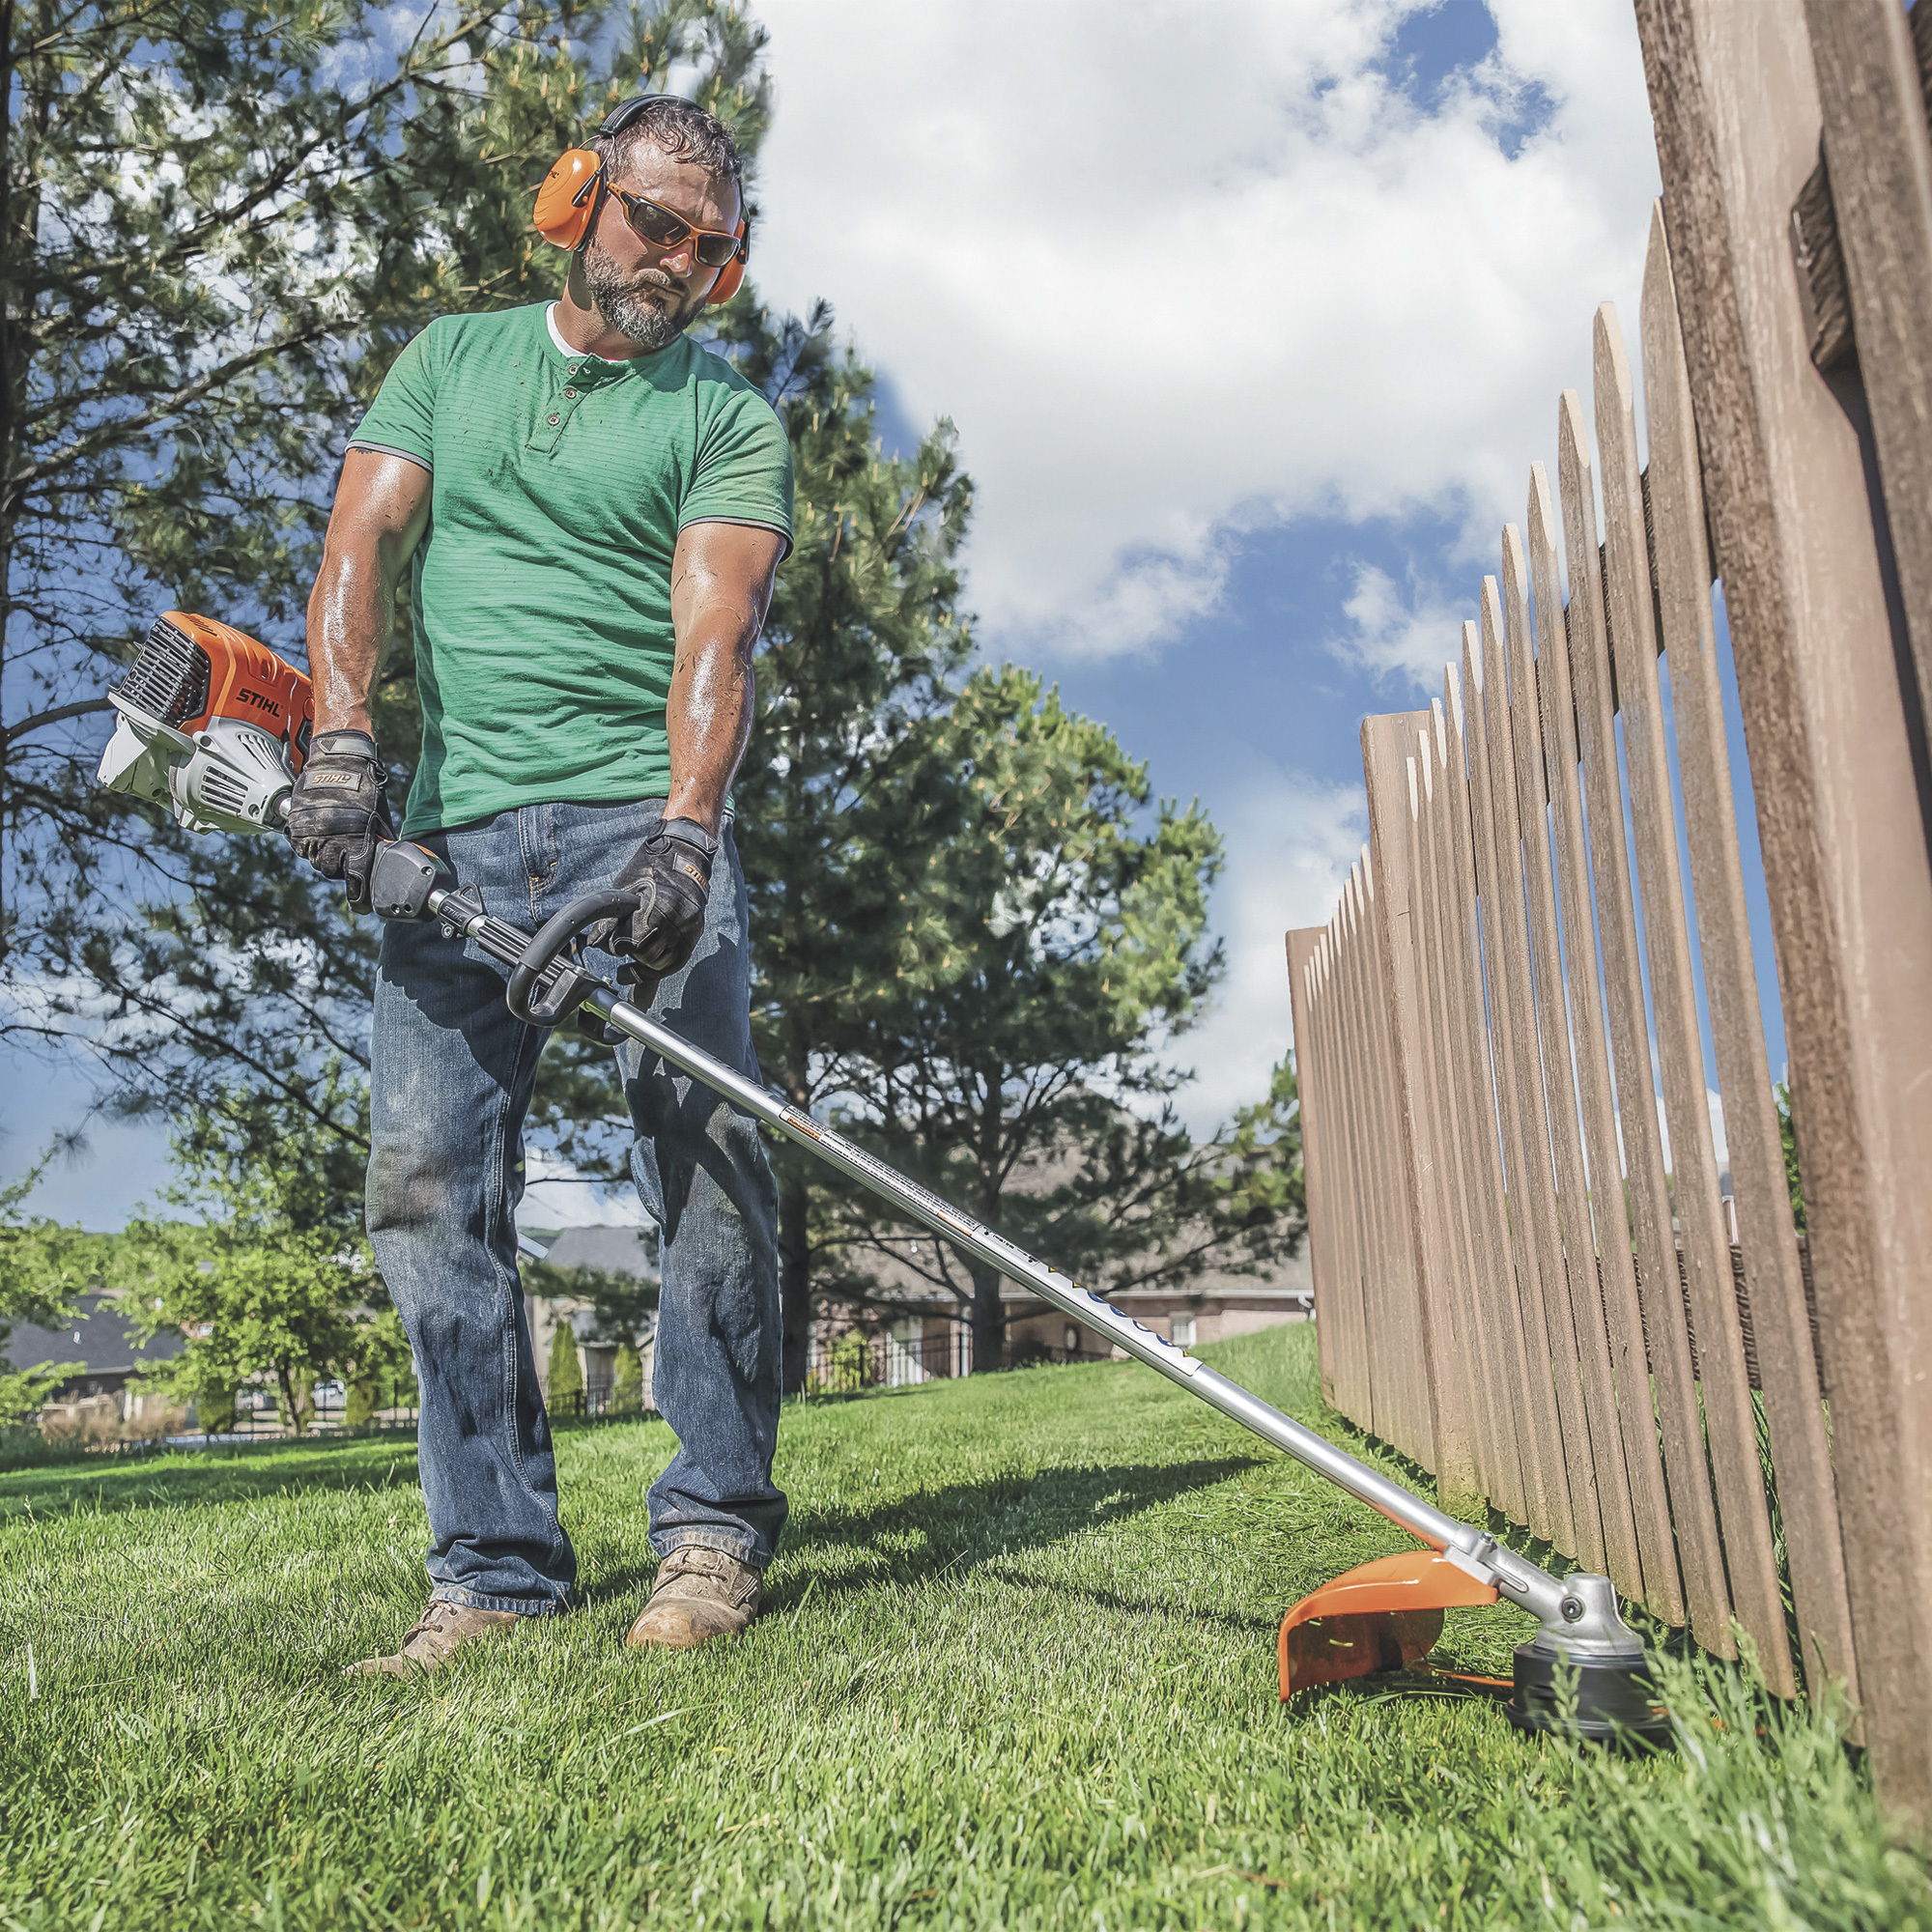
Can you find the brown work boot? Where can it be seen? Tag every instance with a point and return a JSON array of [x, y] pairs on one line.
[[700, 1594], [441, 1629]]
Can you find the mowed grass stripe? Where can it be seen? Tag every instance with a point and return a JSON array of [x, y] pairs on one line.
[[1019, 1671]]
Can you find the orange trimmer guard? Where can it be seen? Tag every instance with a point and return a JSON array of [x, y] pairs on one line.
[[1380, 1616]]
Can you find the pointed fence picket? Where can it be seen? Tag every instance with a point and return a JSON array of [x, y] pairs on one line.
[[1774, 1281]]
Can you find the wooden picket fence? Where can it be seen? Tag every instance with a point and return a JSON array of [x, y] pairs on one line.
[[1526, 1277]]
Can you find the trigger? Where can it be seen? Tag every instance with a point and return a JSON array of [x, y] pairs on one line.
[[590, 1024]]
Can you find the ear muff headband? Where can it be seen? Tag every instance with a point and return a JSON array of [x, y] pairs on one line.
[[572, 195]]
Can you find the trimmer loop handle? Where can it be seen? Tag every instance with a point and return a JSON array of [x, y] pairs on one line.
[[566, 993]]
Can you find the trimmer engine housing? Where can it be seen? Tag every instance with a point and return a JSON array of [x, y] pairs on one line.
[[213, 724]]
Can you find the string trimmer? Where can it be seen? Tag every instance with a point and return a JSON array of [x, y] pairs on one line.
[[1585, 1673]]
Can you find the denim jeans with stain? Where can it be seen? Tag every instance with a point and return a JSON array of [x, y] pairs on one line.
[[452, 1076]]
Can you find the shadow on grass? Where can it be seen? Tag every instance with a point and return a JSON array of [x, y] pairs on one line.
[[960, 1527], [199, 1477], [1116, 1603]]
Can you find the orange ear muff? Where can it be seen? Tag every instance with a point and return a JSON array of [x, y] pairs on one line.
[[568, 199], [731, 276]]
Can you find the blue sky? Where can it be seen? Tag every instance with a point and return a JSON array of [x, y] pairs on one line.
[[1252, 316]]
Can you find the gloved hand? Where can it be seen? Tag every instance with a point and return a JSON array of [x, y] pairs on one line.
[[338, 814], [671, 873]]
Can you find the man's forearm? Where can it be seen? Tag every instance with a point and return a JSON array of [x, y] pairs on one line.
[[720, 591], [708, 716], [350, 612], [381, 508]]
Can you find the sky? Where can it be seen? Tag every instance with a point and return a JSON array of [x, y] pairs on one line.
[[1252, 316]]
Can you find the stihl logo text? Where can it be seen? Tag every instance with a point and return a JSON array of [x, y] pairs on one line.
[[260, 702]]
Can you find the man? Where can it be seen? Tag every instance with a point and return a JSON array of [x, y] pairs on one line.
[[592, 511]]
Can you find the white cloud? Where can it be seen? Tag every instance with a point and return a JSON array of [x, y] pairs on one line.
[[1408, 637], [1712, 1101], [1204, 270], [1290, 847]]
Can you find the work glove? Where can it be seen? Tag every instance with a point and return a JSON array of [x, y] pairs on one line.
[[671, 873], [338, 814]]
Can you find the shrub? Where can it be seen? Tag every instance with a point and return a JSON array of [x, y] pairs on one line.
[[90, 1422], [846, 1370], [565, 1391], [627, 1379]]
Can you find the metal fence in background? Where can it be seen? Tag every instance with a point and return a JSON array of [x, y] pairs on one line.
[[858, 1360], [332, 1409], [259, 1412], [598, 1402], [845, 1365]]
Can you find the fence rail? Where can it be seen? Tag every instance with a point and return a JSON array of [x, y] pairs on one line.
[[1527, 1277]]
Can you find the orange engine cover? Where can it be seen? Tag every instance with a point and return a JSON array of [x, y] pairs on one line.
[[245, 681]]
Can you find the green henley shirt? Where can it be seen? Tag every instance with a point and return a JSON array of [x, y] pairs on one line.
[[540, 593]]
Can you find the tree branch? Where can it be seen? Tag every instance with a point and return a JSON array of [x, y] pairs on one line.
[[80, 708]]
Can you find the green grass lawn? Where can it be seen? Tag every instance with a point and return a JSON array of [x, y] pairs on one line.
[[1019, 1670]]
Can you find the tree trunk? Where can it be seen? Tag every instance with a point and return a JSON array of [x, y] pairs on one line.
[[795, 1277], [295, 1403], [990, 1320]]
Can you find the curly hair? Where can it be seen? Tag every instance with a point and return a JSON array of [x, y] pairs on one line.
[[680, 130]]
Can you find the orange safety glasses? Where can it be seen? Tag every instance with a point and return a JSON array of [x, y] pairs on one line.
[[651, 222]]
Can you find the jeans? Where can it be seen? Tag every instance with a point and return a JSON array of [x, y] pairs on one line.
[[452, 1076]]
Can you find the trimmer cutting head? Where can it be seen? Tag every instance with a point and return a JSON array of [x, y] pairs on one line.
[[1585, 1674], [1601, 1699]]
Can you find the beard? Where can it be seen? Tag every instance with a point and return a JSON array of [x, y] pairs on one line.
[[648, 312]]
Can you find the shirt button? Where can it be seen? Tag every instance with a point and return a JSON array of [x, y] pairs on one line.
[[570, 395], [552, 420], [571, 370]]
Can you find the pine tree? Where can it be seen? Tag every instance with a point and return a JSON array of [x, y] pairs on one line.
[[862, 651], [218, 227], [840, 796], [1020, 1067], [627, 1379], [563, 1389], [216, 230]]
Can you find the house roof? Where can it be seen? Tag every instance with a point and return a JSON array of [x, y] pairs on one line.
[[631, 1251], [1289, 1286], [97, 1336]]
